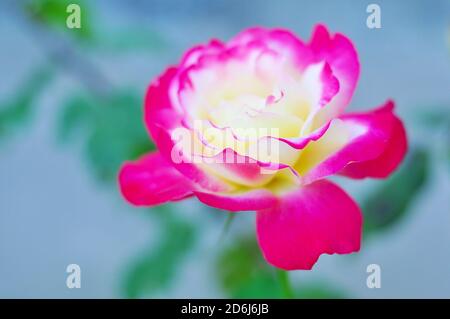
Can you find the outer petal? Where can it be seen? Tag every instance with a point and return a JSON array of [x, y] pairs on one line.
[[151, 180], [387, 162], [251, 199], [161, 117], [193, 55], [278, 40], [316, 219], [380, 138], [245, 200], [339, 52], [160, 113]]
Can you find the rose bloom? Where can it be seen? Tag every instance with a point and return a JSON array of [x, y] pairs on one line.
[[267, 79]]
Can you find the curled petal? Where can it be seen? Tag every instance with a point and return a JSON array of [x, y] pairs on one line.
[[339, 52], [194, 171], [159, 110], [161, 117], [277, 40], [316, 219], [335, 50], [384, 164], [193, 55], [357, 139], [244, 200], [241, 169], [302, 142], [151, 180]]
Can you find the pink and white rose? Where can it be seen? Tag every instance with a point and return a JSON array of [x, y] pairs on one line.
[[295, 92]]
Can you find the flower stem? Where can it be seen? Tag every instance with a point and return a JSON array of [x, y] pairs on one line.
[[286, 287]]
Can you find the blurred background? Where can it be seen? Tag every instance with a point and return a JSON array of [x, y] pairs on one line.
[[71, 112]]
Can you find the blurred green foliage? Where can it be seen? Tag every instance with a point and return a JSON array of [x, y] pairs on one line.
[[112, 129], [389, 203], [243, 273], [155, 269], [320, 290], [53, 13], [19, 108], [437, 118]]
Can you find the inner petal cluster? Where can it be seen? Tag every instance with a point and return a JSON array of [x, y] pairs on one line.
[[256, 90], [252, 100]]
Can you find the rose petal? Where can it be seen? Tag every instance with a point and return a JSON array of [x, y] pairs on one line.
[[161, 118], [383, 165], [339, 52], [240, 169], [245, 200], [313, 220], [151, 180], [362, 137], [193, 55], [277, 40]]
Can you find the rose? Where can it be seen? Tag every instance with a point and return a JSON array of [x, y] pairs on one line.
[[268, 79]]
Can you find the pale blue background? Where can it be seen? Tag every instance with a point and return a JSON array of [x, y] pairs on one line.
[[53, 212]]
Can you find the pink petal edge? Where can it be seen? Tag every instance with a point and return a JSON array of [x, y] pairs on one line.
[[151, 180], [316, 219], [375, 147]]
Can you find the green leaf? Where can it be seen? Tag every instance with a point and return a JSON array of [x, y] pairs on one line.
[[77, 116], [434, 116], [53, 13], [156, 268], [112, 128], [19, 108], [243, 273], [388, 204], [448, 151], [319, 290]]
